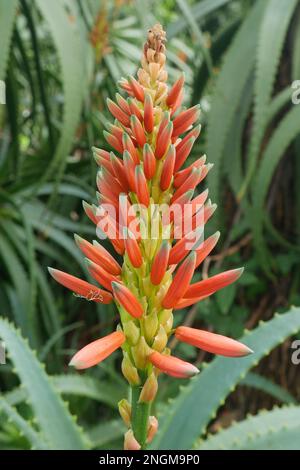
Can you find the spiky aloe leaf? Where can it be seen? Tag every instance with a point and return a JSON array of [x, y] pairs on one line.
[[66, 36], [25, 428], [284, 135], [198, 402], [266, 385], [234, 75], [79, 385], [274, 26], [7, 17], [57, 425], [274, 430]]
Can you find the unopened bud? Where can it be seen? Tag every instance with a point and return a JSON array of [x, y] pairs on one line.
[[129, 371], [152, 428], [131, 331], [149, 389], [140, 353], [166, 319], [125, 411], [148, 287], [130, 442], [151, 325], [160, 340]]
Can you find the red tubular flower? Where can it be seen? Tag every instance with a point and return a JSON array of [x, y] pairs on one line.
[[149, 162], [206, 247], [129, 166], [113, 141], [185, 119], [211, 342], [163, 140], [184, 245], [130, 147], [214, 283], [80, 287], [141, 186], [126, 298], [190, 183], [160, 263], [132, 249], [119, 171], [167, 169], [175, 91], [182, 175], [100, 275], [137, 89], [138, 131], [97, 351], [183, 152], [88, 209], [148, 113], [135, 109], [118, 113], [173, 365], [99, 255], [123, 104], [180, 282]]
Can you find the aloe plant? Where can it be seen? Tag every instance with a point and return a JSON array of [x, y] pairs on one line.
[[277, 429]]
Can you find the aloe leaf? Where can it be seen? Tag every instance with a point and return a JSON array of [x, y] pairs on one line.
[[230, 85], [57, 425], [24, 426], [7, 18], [198, 402], [266, 385], [272, 34], [273, 430]]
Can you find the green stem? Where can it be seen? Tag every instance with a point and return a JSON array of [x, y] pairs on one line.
[[139, 416]]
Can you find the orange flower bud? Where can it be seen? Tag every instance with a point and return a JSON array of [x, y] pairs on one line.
[[160, 263], [214, 283], [180, 282], [137, 89], [211, 342], [99, 255], [126, 298], [183, 152], [125, 411], [173, 365], [80, 287], [167, 169], [97, 351], [132, 249], [175, 91], [149, 162], [130, 442], [148, 113], [130, 147], [117, 112], [137, 130], [142, 190], [149, 389], [152, 428], [163, 141]]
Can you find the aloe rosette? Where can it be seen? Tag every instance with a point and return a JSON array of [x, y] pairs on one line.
[[148, 209]]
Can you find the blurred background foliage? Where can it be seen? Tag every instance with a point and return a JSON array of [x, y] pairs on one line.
[[60, 60]]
